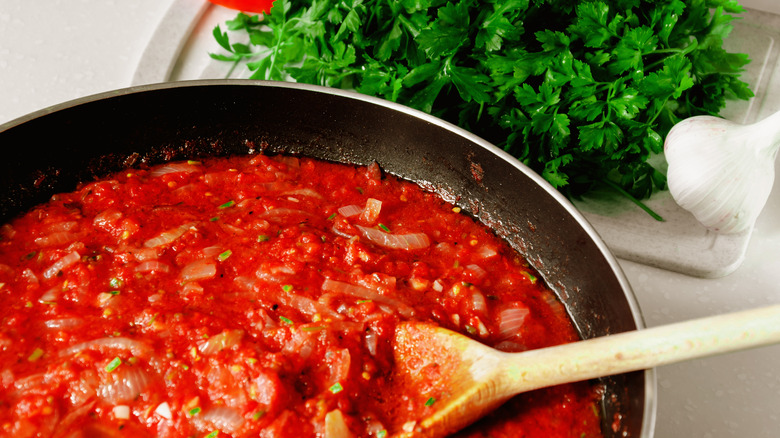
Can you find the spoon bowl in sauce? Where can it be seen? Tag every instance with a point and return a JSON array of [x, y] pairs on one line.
[[458, 380]]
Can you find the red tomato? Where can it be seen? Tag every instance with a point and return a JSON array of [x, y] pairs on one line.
[[246, 5]]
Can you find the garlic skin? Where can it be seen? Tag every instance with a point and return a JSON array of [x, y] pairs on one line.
[[720, 171]]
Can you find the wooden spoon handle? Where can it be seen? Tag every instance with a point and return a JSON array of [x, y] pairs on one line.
[[641, 349]]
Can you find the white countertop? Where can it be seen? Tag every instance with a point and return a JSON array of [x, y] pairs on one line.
[[56, 50]]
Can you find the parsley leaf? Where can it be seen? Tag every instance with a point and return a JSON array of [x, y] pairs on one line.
[[582, 92]]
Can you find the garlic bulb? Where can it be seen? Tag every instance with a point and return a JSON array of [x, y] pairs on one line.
[[720, 171]]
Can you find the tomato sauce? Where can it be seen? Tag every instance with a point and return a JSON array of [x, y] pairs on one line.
[[255, 296]]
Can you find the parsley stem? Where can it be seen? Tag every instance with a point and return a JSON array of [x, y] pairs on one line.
[[637, 202], [674, 52], [232, 68]]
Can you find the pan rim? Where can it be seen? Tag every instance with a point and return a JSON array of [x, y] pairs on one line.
[[650, 387]]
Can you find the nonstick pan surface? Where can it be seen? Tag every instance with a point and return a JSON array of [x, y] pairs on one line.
[[52, 150]]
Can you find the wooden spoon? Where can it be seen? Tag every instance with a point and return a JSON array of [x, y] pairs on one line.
[[458, 380]]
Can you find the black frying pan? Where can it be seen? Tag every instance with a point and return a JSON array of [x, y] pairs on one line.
[[52, 150]]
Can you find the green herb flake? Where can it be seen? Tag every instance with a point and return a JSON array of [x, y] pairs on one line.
[[193, 162], [213, 434], [263, 238], [227, 204], [224, 256], [194, 411], [381, 434], [258, 415], [116, 283], [313, 328], [384, 228], [332, 216], [430, 401], [336, 388], [214, 219], [287, 287], [114, 364], [113, 292], [286, 320], [35, 355]]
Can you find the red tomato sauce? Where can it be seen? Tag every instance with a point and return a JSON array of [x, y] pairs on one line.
[[255, 296]]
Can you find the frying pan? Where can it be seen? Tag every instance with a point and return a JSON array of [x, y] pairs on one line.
[[52, 150]]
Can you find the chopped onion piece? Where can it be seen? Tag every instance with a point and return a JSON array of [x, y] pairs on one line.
[[137, 348], [51, 295], [30, 382], [7, 231], [199, 270], [510, 320], [167, 236], [275, 273], [121, 412], [305, 305], [395, 241], [555, 304], [303, 192], [224, 418], [350, 210], [30, 277], [144, 254], [212, 251], [59, 227], [478, 302], [475, 272], [123, 385], [63, 323], [152, 266], [7, 270], [78, 413], [335, 425], [338, 365], [371, 213], [221, 341], [374, 427], [276, 214], [192, 288], [486, 252], [64, 262], [173, 168], [340, 233], [106, 219], [367, 294], [61, 238], [164, 410], [371, 339]]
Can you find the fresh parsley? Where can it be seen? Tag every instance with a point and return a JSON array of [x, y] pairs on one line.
[[582, 92]]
